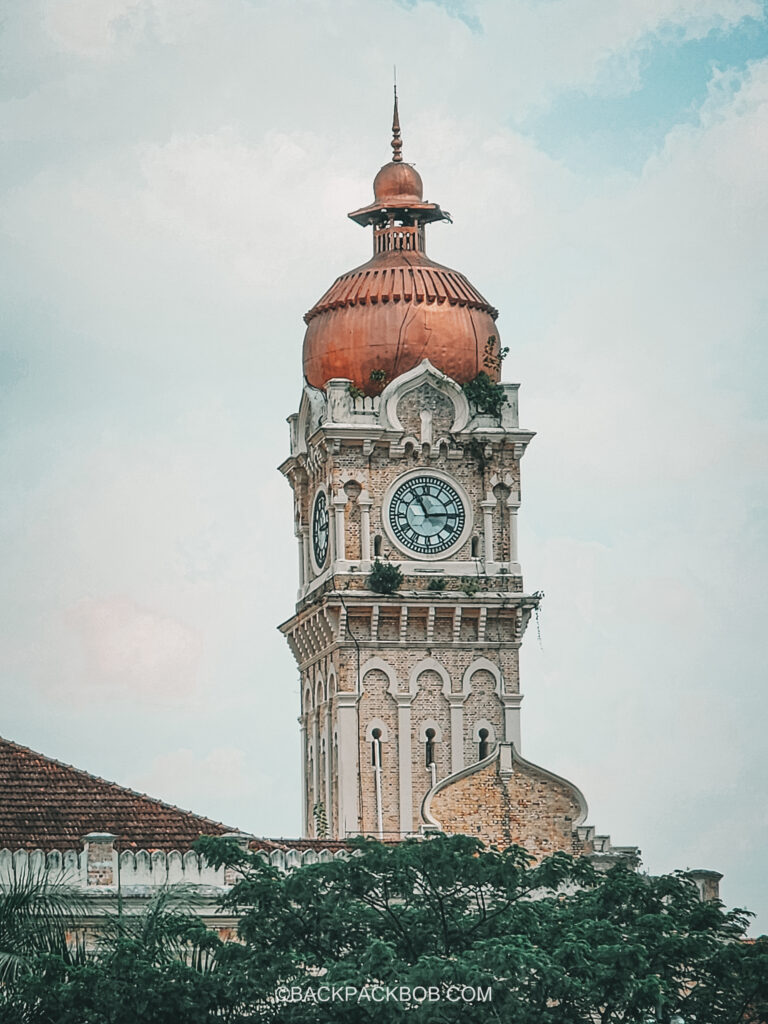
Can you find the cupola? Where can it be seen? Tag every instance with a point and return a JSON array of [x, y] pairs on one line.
[[382, 318]]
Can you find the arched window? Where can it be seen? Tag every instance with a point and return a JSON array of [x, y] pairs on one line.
[[475, 547], [482, 745], [377, 545], [376, 748], [429, 747]]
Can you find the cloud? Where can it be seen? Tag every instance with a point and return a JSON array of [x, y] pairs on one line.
[[175, 202]]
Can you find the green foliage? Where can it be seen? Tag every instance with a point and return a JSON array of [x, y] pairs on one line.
[[493, 357], [437, 583], [477, 449], [385, 577], [37, 913], [355, 391], [557, 943], [470, 585], [485, 395], [321, 820]]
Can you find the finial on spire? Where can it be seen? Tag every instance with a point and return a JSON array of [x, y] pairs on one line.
[[397, 142]]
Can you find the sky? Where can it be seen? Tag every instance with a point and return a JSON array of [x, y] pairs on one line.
[[174, 185]]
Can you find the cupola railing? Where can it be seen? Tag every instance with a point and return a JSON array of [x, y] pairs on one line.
[[400, 238]]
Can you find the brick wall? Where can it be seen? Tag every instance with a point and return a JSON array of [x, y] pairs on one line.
[[528, 809], [377, 703]]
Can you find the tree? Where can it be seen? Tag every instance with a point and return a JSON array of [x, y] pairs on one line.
[[37, 915], [556, 943], [156, 967]]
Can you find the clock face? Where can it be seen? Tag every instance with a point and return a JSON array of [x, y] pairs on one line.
[[320, 529], [426, 514]]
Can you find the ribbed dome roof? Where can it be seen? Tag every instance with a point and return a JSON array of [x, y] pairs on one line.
[[388, 279]]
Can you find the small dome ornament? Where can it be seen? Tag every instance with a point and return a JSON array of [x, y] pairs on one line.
[[397, 183]]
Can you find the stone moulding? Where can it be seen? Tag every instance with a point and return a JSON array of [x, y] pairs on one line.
[[508, 757]]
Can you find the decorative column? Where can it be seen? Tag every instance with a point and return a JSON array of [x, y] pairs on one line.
[[302, 566], [339, 501], [304, 779], [456, 702], [365, 502], [315, 763], [513, 505], [347, 769], [512, 703], [328, 766], [488, 506], [404, 762], [304, 555]]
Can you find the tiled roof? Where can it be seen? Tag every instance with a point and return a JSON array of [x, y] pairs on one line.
[[47, 805]]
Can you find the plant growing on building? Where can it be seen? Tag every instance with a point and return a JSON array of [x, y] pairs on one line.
[[355, 391], [469, 585], [321, 820], [485, 395], [385, 577], [476, 449], [379, 380], [492, 359], [437, 583]]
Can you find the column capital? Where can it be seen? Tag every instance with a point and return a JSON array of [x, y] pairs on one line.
[[346, 699], [512, 700]]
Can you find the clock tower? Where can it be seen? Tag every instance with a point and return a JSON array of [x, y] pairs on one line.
[[405, 469]]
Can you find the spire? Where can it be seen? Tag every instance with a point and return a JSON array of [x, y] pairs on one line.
[[397, 142]]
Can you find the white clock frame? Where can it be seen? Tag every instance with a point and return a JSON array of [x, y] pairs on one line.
[[418, 556]]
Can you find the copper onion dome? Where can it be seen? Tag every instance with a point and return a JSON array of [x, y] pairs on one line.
[[383, 318]]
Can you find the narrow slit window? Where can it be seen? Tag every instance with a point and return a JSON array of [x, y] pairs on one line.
[[376, 748], [475, 547], [377, 545], [429, 747], [483, 745]]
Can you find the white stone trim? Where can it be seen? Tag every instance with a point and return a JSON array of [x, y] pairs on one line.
[[319, 692], [382, 666], [427, 664], [404, 763], [480, 664], [512, 702], [508, 757], [430, 723], [376, 723], [483, 723], [407, 382], [348, 767]]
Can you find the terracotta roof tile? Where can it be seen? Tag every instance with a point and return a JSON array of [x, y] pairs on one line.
[[47, 805]]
